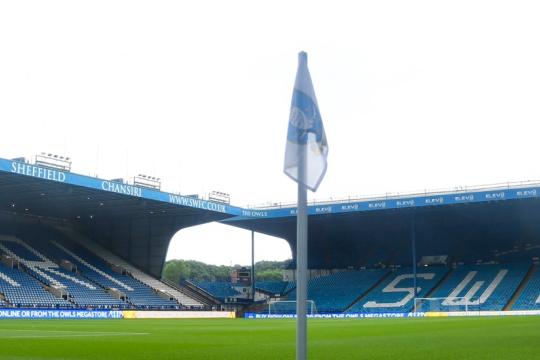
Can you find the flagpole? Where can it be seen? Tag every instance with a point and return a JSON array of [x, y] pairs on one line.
[[301, 260]]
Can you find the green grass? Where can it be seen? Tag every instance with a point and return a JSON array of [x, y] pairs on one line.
[[434, 338]]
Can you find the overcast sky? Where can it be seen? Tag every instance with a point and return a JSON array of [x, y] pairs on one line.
[[413, 94]]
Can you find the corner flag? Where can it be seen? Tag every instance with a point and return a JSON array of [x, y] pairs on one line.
[[305, 163], [306, 140]]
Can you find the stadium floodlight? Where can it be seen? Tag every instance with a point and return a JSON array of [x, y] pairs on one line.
[[447, 304], [219, 196], [288, 307], [53, 161], [147, 181]]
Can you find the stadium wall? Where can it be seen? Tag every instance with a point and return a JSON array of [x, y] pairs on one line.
[[178, 314]]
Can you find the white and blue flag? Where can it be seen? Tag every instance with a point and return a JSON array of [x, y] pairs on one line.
[[307, 147]]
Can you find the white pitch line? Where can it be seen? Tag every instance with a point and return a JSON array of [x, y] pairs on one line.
[[62, 333], [61, 336]]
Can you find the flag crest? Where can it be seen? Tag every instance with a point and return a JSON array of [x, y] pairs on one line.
[[307, 147]]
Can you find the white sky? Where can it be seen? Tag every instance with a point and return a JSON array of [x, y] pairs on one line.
[[413, 94]]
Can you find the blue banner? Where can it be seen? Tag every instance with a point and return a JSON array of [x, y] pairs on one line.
[[336, 316], [55, 175], [59, 314], [386, 204]]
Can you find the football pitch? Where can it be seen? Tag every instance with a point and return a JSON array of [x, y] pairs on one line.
[[428, 338]]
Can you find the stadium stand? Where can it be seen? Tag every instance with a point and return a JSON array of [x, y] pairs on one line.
[[42, 255], [88, 282], [396, 292], [484, 286]]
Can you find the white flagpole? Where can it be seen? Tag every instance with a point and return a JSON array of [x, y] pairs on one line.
[[305, 131], [301, 260]]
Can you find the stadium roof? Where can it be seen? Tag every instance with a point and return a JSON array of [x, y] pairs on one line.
[[468, 225], [23, 183]]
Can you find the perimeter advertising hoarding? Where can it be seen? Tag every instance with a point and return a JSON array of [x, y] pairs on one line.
[[59, 314]]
